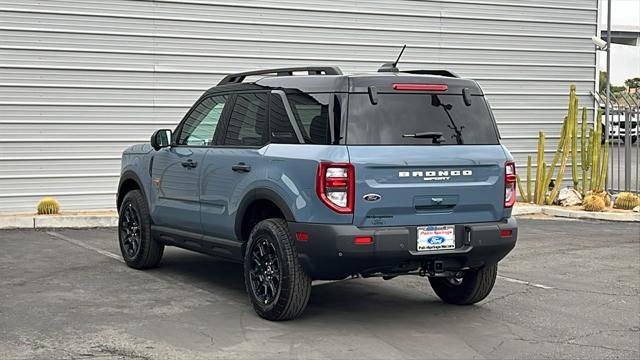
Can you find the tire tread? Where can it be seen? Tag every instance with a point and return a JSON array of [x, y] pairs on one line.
[[296, 280], [151, 251], [472, 290]]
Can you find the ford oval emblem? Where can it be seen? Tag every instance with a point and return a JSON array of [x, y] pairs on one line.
[[372, 197], [435, 240]]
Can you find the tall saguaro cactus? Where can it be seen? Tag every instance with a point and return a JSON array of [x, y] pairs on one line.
[[585, 150], [556, 155], [595, 161], [540, 168], [574, 140], [572, 118], [529, 179], [592, 159]]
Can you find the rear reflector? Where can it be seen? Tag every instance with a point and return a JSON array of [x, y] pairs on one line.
[[302, 236], [421, 87], [363, 240], [506, 233]]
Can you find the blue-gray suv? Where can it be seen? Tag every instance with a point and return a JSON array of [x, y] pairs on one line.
[[308, 174]]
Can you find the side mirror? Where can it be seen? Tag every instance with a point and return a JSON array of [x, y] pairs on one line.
[[161, 139]]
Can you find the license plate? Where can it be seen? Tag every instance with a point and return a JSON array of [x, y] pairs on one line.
[[436, 237]]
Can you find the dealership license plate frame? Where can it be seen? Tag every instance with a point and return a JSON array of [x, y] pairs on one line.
[[446, 232]]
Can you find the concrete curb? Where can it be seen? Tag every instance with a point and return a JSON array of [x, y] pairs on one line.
[[575, 214], [57, 221], [93, 221], [526, 210]]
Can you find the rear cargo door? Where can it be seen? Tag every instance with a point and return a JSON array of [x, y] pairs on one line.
[[424, 159]]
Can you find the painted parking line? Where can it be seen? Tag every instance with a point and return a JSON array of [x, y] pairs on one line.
[[85, 246], [321, 282], [517, 281]]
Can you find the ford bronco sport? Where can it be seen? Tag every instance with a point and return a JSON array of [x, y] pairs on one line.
[[325, 176]]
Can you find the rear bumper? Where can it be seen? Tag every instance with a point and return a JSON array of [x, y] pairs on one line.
[[330, 251]]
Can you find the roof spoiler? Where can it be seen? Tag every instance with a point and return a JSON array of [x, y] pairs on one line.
[[445, 73], [311, 70]]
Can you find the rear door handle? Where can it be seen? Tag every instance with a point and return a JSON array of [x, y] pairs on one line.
[[189, 163], [241, 167]]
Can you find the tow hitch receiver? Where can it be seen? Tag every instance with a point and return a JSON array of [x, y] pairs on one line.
[[438, 266]]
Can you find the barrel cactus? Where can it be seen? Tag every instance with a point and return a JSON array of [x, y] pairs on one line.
[[626, 201], [603, 195], [48, 206], [593, 203]]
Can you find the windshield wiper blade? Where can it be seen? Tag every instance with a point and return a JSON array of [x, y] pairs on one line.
[[436, 136]]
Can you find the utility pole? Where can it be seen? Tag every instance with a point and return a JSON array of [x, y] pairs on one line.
[[608, 84]]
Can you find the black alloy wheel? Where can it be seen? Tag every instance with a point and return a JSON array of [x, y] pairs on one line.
[[277, 285], [138, 247], [130, 231], [265, 274]]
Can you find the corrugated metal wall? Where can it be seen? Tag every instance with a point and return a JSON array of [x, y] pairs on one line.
[[81, 80]]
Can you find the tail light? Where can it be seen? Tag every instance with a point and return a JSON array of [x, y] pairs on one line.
[[335, 185], [509, 184]]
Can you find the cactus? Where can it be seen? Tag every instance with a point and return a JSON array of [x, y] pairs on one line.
[[539, 189], [593, 203], [574, 142], [605, 196], [526, 196], [595, 160], [572, 118], [556, 156], [48, 206], [522, 193], [529, 199], [603, 168], [592, 139], [627, 201], [585, 150], [592, 157], [543, 190]]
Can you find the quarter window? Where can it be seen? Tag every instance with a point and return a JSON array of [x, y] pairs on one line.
[[247, 123], [201, 125], [311, 114], [282, 131]]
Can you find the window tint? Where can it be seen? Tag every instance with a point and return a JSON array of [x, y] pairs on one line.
[[397, 118], [282, 131], [200, 126], [311, 112], [248, 121]]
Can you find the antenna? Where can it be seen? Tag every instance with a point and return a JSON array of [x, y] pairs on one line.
[[399, 55], [392, 67]]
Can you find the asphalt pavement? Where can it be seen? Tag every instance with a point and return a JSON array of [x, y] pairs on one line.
[[570, 289]]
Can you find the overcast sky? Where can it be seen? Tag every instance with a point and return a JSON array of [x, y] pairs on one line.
[[625, 60]]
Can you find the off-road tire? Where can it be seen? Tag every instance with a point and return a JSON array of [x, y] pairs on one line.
[[475, 286], [294, 290], [150, 251]]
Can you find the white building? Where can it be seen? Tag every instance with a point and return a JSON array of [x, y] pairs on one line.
[[82, 79]]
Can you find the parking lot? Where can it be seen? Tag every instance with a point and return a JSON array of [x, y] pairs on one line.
[[570, 289]]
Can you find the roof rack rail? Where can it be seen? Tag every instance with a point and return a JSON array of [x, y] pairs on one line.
[[446, 73], [311, 70]]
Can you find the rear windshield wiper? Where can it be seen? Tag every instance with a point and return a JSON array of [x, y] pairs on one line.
[[435, 136]]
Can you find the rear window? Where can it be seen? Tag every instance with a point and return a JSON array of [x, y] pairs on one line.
[[416, 119]]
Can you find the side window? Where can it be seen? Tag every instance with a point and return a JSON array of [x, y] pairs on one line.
[[248, 120], [200, 126], [282, 131], [311, 112]]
